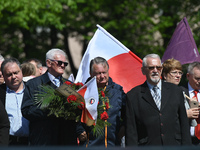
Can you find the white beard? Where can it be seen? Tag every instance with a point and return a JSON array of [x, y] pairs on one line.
[[154, 80]]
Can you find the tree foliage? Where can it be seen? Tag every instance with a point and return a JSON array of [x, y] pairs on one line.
[[30, 28]]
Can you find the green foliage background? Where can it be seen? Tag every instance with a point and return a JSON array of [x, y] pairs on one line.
[[30, 28]]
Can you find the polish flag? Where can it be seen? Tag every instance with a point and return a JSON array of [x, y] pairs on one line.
[[124, 66], [90, 93]]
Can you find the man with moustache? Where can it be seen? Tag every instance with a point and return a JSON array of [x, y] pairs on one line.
[[155, 110]]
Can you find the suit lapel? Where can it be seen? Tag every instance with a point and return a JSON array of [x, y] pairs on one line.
[[3, 93], [146, 95], [46, 81]]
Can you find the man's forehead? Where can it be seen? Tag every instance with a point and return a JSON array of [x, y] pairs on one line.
[[196, 72], [9, 64], [153, 61]]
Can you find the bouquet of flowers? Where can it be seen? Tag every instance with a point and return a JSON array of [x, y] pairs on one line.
[[62, 102], [65, 102]]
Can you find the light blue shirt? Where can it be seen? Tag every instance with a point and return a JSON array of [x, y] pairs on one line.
[[51, 77], [151, 88], [19, 126]]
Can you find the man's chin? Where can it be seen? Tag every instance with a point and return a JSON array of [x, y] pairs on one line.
[[155, 80]]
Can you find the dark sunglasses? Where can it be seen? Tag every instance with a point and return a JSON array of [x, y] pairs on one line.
[[152, 67], [60, 62]]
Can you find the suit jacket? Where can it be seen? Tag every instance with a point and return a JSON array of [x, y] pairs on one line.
[[4, 121], [4, 126], [44, 129], [147, 125]]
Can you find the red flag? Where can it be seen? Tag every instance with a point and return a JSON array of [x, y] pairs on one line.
[[124, 66], [182, 46]]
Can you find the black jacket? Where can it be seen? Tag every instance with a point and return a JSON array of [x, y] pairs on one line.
[[44, 129], [147, 125]]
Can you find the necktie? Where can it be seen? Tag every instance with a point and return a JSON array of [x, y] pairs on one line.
[[156, 97], [197, 128], [57, 82]]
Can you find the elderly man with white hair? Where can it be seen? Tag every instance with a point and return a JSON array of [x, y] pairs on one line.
[[44, 129]]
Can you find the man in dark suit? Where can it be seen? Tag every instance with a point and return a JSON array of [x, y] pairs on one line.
[[44, 129], [155, 110], [193, 76]]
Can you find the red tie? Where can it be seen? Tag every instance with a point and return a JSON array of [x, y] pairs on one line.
[[197, 128]]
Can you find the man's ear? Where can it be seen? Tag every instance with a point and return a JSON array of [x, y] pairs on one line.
[[188, 75], [143, 71], [48, 62]]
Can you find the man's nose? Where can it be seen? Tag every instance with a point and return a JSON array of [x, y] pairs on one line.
[[102, 75], [13, 75]]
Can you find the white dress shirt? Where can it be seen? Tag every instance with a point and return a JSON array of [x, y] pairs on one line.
[[191, 94]]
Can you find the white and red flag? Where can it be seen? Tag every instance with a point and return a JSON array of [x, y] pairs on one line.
[[124, 66], [90, 93]]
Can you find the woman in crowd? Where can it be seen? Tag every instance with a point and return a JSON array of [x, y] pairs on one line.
[[172, 72], [28, 71]]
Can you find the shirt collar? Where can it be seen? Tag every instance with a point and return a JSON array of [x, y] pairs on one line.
[[190, 89], [51, 77], [8, 90], [151, 86]]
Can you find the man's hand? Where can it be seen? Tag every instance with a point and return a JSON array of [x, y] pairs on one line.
[[193, 113]]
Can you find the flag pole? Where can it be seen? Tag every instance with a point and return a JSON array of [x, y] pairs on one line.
[[106, 128]]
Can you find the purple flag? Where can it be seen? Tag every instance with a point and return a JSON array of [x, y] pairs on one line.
[[182, 45]]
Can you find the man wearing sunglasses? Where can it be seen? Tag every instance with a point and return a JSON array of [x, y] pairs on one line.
[[155, 110], [44, 129]]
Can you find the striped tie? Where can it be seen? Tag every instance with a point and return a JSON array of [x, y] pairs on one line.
[[57, 82], [156, 97]]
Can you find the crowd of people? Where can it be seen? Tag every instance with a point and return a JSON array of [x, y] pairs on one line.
[[157, 112]]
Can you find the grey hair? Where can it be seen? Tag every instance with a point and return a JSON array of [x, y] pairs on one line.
[[53, 52], [9, 60], [98, 60], [1, 58], [144, 61], [192, 66]]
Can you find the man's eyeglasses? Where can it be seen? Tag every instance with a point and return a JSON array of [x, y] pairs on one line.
[[59, 63], [175, 73], [153, 67]]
